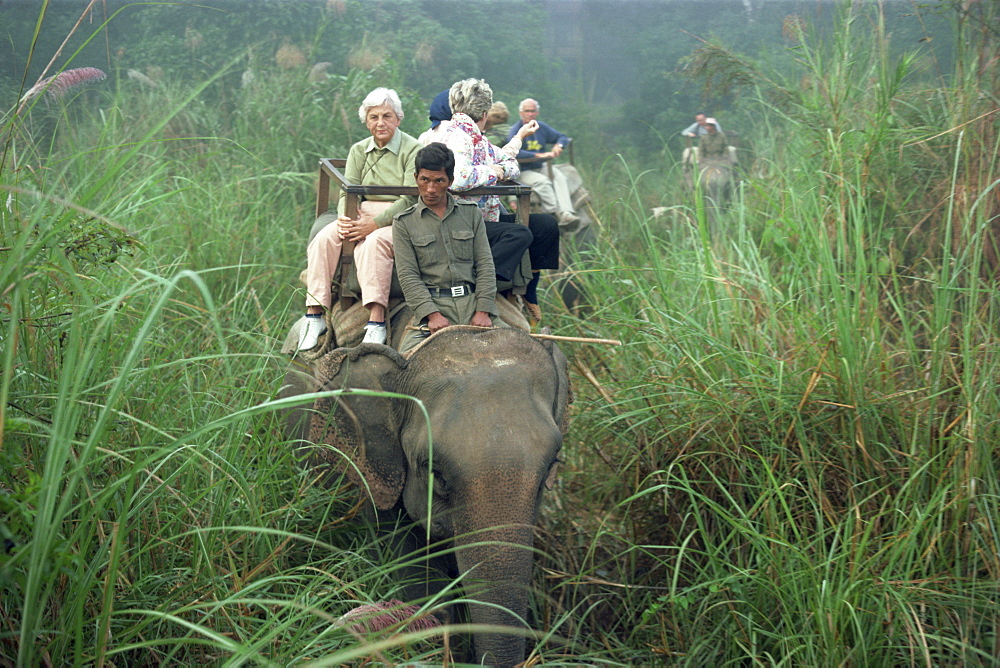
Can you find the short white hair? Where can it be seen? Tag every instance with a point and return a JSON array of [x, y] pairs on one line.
[[525, 101], [473, 97], [377, 98]]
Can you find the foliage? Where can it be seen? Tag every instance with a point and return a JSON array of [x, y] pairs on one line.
[[570, 56], [798, 438], [791, 460]]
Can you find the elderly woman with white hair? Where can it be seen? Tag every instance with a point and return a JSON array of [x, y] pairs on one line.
[[386, 158], [480, 163]]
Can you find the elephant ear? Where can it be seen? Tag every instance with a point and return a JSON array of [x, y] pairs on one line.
[[364, 429], [564, 393]]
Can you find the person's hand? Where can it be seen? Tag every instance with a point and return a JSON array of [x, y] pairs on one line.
[[498, 170], [365, 225], [481, 319], [556, 150], [529, 128], [436, 321], [689, 134], [356, 230], [344, 226]]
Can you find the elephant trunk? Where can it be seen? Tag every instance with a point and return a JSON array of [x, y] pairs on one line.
[[497, 578], [495, 559]]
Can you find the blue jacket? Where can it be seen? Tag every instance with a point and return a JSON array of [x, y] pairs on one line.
[[537, 142]]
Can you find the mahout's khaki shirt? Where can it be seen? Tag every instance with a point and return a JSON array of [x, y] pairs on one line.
[[441, 254]]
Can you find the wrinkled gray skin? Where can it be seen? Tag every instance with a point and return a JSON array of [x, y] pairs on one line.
[[497, 402]]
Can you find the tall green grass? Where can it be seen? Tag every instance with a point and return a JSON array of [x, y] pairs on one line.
[[796, 448], [153, 508], [790, 461]]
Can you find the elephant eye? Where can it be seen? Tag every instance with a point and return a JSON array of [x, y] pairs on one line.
[[441, 487]]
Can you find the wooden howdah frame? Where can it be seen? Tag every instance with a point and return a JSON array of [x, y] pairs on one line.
[[330, 174]]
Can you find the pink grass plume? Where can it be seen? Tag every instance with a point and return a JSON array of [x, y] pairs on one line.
[[383, 615], [58, 85]]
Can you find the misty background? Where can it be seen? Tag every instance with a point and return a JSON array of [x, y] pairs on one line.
[[611, 73], [790, 460]]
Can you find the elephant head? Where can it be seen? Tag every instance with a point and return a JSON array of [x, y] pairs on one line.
[[497, 402]]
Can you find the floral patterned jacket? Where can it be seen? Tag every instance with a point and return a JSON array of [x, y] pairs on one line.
[[474, 159]]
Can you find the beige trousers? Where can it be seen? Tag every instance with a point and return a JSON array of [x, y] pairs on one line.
[[373, 259], [554, 194]]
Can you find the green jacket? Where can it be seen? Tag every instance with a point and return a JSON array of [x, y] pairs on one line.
[[443, 253]]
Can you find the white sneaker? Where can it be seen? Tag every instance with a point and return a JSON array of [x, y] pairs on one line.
[[310, 333], [375, 334]]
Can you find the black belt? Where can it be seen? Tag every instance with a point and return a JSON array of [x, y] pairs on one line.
[[457, 291]]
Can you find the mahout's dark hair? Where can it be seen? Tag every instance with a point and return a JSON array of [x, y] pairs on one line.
[[436, 157]]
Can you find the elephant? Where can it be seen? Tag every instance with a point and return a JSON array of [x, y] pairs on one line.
[[497, 402], [712, 176], [716, 179]]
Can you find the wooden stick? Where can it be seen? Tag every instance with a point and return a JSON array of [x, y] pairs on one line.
[[577, 339], [589, 375], [550, 337]]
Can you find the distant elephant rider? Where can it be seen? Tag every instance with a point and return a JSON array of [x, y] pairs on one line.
[[553, 192], [713, 145], [700, 126], [385, 159], [480, 163]]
